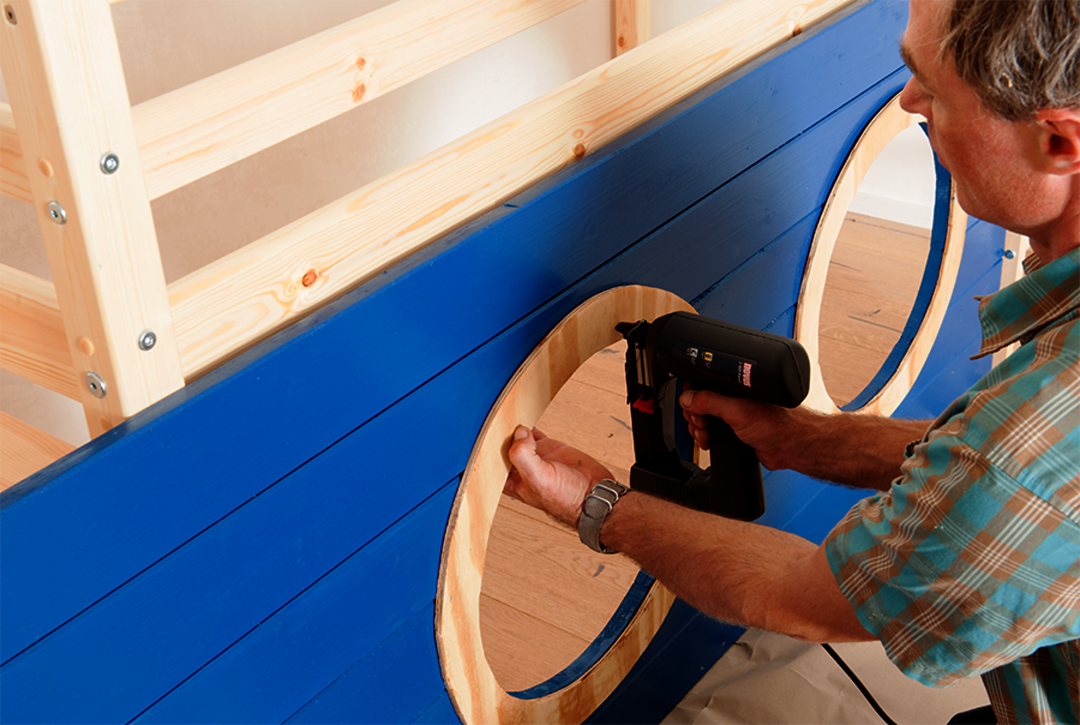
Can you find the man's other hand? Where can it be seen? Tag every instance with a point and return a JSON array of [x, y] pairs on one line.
[[550, 475]]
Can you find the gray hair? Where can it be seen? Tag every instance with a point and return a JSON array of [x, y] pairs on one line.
[[1019, 55]]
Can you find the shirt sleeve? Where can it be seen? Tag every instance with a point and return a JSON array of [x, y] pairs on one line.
[[958, 568]]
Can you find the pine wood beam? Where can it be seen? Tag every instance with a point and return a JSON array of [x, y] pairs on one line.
[[32, 341], [633, 19], [62, 69], [13, 181], [25, 449], [259, 289], [205, 126]]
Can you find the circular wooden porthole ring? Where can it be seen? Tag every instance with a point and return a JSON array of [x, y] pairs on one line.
[[470, 681], [883, 127]]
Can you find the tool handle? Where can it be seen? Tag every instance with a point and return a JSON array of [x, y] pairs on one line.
[[735, 470]]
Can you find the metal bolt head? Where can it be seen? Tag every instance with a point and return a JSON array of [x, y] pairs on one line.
[[9, 15], [97, 386], [57, 213], [110, 162], [147, 340]]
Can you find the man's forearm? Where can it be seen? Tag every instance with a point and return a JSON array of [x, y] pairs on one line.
[[854, 449], [738, 572]]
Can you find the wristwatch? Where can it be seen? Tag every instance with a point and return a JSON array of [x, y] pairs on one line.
[[595, 509]]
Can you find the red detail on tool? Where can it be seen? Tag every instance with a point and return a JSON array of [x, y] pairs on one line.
[[646, 405]]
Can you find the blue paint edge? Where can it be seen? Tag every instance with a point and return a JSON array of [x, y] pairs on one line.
[[629, 607], [931, 275]]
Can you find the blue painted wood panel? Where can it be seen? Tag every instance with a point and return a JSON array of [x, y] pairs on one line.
[[262, 545]]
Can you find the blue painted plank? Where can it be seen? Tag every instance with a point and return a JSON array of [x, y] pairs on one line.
[[151, 634], [275, 380], [85, 557], [299, 339], [279, 667], [237, 578], [949, 371], [737, 296], [725, 229], [687, 644], [439, 712], [398, 683]]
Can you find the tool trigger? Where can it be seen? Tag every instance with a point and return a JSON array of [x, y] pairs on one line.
[[646, 405]]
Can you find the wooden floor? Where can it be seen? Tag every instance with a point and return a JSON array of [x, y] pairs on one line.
[[545, 597], [873, 278]]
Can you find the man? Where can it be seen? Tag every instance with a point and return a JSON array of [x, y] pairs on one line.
[[968, 562]]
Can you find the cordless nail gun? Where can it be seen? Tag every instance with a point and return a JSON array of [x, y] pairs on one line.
[[710, 355]]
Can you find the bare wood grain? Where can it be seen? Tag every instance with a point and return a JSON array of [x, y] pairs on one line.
[[205, 126], [888, 122], [874, 277], [62, 70], [25, 450], [632, 20], [32, 340], [249, 294], [476, 692], [13, 179], [537, 566], [525, 647]]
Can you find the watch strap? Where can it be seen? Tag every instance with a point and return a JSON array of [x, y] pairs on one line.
[[594, 511]]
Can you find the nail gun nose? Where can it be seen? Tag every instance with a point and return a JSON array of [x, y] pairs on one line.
[[645, 405]]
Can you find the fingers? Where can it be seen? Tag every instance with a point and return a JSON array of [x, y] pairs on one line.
[[697, 406]]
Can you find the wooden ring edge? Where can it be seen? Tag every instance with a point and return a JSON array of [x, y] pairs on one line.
[[471, 684], [882, 128]]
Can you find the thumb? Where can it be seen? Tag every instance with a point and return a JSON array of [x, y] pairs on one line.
[[523, 453], [696, 401]]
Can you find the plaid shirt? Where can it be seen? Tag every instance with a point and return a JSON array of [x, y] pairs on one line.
[[970, 563]]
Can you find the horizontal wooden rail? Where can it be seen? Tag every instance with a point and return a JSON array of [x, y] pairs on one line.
[[13, 179], [24, 450], [203, 127], [32, 341], [259, 289]]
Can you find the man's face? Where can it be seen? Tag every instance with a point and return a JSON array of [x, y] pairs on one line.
[[984, 154]]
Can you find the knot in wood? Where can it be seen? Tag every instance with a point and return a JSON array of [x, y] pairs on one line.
[[310, 277], [579, 151]]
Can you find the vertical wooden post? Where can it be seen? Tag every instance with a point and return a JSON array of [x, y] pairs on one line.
[[632, 19], [1017, 247], [62, 68]]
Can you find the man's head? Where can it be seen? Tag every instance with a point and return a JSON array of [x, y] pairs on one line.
[[998, 83], [1019, 55]]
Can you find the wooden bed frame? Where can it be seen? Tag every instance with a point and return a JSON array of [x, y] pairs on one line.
[[198, 561], [70, 106]]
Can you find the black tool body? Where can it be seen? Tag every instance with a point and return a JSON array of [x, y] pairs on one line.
[[710, 355]]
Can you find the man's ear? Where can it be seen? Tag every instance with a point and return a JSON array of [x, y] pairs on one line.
[[1059, 140]]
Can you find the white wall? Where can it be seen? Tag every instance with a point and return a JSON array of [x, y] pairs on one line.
[[900, 184], [166, 44]]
